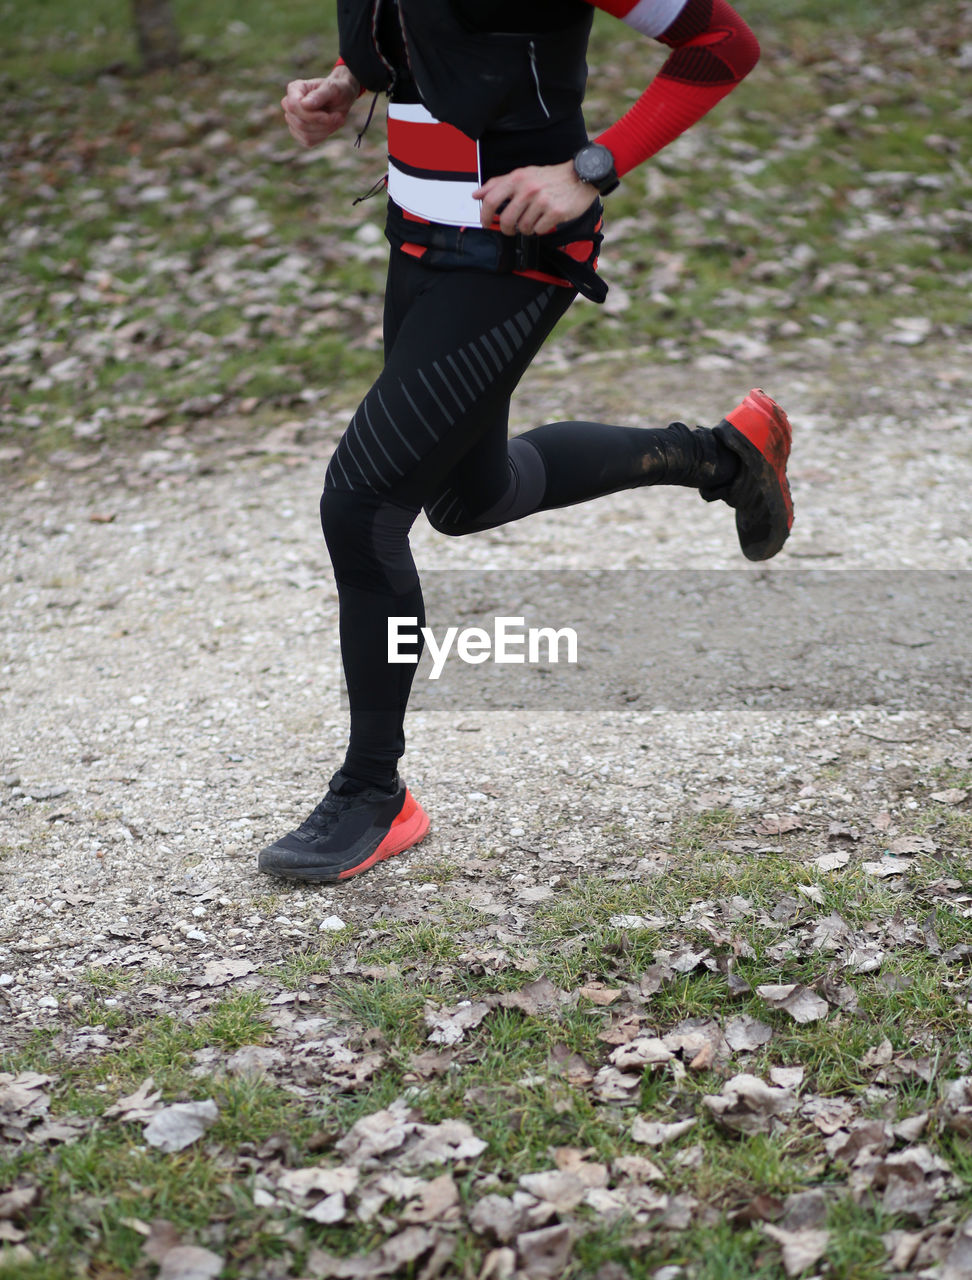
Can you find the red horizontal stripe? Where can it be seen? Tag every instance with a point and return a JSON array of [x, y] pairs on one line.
[[432, 146], [617, 8]]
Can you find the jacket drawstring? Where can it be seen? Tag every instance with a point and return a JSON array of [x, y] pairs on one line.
[[364, 129], [372, 190]]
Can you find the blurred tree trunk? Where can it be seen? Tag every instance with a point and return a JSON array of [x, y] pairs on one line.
[[155, 29]]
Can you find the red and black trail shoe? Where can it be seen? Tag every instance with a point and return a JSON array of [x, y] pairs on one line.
[[351, 829], [758, 432]]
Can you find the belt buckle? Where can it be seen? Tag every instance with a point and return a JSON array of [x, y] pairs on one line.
[[526, 252]]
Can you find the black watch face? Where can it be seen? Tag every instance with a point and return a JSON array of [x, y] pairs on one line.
[[593, 163]]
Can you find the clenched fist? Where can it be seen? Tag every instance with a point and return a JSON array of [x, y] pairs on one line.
[[314, 109]]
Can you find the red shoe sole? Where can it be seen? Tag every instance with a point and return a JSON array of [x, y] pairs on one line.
[[411, 826]]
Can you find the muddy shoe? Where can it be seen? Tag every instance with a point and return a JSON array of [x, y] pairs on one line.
[[758, 432], [350, 830]]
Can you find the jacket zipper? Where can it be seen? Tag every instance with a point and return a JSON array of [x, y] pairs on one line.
[[532, 49]]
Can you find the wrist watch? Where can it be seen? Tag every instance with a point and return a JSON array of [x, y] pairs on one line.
[[595, 164]]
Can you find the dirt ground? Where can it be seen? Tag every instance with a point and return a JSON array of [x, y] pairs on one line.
[[170, 681]]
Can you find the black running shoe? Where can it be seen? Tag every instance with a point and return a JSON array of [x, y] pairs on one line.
[[348, 832]]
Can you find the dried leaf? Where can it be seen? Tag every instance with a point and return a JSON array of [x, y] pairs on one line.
[[437, 1201], [501, 1217], [140, 1105], [749, 1105], [787, 1077], [761, 1208], [745, 1034], [328, 1210], [317, 1178], [829, 1114], [163, 1237], [888, 867], [687, 959], [254, 1059], [801, 1003], [832, 861], [774, 825], [913, 844], [571, 1160], [448, 1026], [637, 1169], [801, 1249], [637, 922], [540, 996], [15, 1200], [695, 1036], [644, 1051], [598, 993], [442, 1143], [218, 972], [805, 1211], [873, 1136], [571, 1065], [655, 1134], [429, 1064], [911, 1129], [879, 1055], [612, 1085], [545, 1253], [957, 1263], [176, 1127], [621, 1032], [952, 796], [499, 1264], [57, 1131], [189, 1262], [559, 1188], [957, 1106], [377, 1134], [22, 1097], [396, 1253]]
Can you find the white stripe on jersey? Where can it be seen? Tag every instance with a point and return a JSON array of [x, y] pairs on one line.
[[411, 113], [447, 202], [652, 17]]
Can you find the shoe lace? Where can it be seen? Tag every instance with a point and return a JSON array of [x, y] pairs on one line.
[[319, 822]]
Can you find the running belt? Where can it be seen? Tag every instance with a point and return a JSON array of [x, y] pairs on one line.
[[433, 168]]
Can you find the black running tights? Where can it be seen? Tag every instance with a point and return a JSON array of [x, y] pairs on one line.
[[432, 433]]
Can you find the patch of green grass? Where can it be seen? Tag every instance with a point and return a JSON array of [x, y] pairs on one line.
[[294, 972], [389, 1005], [108, 979]]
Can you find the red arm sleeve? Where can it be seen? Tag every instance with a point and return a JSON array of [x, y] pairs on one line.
[[713, 50]]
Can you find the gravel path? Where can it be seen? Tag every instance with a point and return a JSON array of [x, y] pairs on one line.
[[170, 675]]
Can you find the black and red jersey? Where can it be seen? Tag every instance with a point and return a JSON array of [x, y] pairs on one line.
[[536, 50]]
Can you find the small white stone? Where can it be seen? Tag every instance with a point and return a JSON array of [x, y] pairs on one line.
[[331, 924]]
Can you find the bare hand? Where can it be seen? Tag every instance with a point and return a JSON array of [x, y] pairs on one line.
[[314, 109], [534, 200]]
